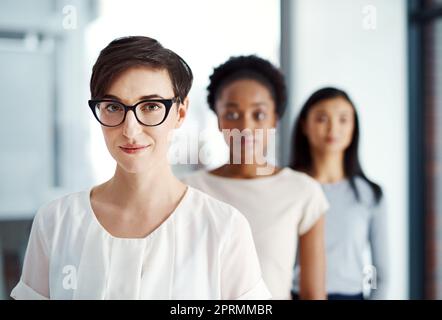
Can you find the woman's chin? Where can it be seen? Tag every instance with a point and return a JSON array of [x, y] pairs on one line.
[[135, 170], [133, 166], [334, 148]]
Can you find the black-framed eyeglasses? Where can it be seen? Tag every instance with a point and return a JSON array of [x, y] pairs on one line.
[[112, 113]]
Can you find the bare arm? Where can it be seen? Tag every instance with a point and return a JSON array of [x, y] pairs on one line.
[[312, 262]]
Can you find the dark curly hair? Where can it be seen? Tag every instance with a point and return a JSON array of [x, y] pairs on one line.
[[249, 67]]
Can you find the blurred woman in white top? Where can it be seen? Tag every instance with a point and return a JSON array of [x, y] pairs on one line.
[[143, 234], [248, 95]]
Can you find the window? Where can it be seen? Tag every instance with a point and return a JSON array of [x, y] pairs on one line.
[[425, 48]]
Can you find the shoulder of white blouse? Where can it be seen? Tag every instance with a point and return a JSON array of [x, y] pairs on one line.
[[311, 189], [218, 212], [53, 211], [300, 177]]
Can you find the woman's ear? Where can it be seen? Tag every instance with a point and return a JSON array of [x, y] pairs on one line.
[[182, 112]]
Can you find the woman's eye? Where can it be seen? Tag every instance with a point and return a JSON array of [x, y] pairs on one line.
[[343, 120], [150, 107], [232, 116], [112, 108], [260, 116], [321, 119]]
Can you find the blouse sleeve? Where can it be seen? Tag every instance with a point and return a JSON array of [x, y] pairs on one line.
[[241, 277], [34, 281], [315, 206], [378, 238]]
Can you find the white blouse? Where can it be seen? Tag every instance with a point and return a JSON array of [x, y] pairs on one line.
[[204, 250]]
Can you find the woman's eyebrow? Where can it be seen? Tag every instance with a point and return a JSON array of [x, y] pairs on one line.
[[254, 105], [110, 96], [152, 96], [231, 105], [260, 104]]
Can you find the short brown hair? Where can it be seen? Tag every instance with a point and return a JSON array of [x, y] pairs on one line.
[[124, 53]]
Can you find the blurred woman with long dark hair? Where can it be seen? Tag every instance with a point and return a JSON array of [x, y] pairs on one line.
[[325, 146]]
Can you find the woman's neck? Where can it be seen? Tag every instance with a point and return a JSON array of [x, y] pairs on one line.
[[328, 167], [246, 171], [143, 191]]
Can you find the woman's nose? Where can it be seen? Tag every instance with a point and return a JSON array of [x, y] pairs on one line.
[[246, 122], [131, 127], [332, 126]]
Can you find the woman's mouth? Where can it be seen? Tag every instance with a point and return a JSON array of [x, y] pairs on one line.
[[331, 140], [132, 150]]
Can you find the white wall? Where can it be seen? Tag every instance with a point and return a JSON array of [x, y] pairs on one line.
[[333, 46]]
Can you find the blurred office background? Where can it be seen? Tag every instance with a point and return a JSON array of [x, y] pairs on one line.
[[386, 53]]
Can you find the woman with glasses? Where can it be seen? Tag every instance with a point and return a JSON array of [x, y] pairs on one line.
[[325, 146], [143, 234], [284, 207]]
